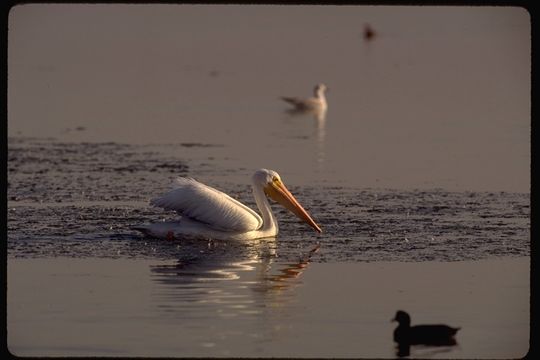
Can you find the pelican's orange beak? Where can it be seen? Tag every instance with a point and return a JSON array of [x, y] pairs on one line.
[[278, 192]]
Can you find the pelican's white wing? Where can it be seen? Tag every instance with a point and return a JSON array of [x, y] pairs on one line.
[[207, 205]]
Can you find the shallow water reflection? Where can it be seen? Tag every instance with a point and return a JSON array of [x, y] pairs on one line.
[[228, 287], [425, 351], [260, 307], [319, 118]]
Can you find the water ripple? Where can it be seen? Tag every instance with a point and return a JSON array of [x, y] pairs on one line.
[[81, 200]]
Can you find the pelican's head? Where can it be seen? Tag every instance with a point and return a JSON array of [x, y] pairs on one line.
[[319, 90], [273, 187]]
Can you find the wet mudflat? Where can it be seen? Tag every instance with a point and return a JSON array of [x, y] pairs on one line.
[[65, 201]]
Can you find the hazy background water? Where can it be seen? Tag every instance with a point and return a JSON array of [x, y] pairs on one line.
[[440, 98], [423, 155]]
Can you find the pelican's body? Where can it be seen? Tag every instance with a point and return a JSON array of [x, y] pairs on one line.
[[318, 102], [211, 214]]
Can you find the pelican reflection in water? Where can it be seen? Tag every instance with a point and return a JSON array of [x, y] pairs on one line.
[[229, 278], [221, 262]]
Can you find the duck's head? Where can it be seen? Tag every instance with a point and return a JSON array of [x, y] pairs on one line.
[[402, 318]]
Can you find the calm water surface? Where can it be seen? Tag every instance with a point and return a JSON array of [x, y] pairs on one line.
[[260, 307], [420, 166]]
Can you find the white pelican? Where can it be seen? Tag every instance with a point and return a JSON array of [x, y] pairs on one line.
[[208, 213], [318, 102]]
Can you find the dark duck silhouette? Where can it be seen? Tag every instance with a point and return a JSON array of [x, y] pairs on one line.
[[422, 334]]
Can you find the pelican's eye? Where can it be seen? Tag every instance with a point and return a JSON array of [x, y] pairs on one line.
[[275, 180]]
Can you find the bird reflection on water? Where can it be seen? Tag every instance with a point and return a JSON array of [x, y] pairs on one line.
[[286, 272], [319, 117], [227, 279], [423, 351]]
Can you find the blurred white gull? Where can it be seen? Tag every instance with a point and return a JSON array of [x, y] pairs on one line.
[[317, 103]]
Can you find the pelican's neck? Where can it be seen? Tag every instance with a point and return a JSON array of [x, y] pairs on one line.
[[269, 221]]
